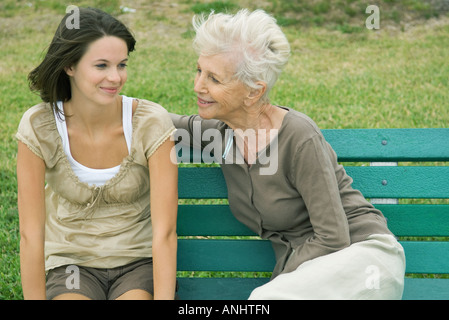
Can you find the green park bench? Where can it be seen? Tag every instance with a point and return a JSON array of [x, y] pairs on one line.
[[403, 172]]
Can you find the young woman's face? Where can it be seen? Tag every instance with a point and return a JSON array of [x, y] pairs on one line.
[[101, 73]]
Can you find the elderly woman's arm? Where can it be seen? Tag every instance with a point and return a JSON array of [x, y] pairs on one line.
[[314, 170], [193, 127]]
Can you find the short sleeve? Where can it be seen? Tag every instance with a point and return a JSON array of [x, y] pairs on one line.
[[152, 126], [38, 132]]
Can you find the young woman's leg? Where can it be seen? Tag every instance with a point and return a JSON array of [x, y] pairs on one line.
[[136, 294], [71, 296]]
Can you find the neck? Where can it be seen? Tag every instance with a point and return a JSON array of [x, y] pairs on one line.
[[91, 117], [253, 129], [255, 118]]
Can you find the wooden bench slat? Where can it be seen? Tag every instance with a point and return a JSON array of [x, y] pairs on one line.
[[381, 145], [201, 183], [218, 288], [225, 255], [385, 145], [241, 288], [232, 255], [373, 182], [403, 220], [426, 289], [426, 256], [209, 220], [417, 220], [401, 182]]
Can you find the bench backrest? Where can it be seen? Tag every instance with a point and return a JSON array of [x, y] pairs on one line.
[[428, 179]]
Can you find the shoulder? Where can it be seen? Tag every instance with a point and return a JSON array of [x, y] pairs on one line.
[[146, 113], [41, 112], [151, 125], [37, 129], [38, 120], [144, 107], [145, 110], [299, 127]]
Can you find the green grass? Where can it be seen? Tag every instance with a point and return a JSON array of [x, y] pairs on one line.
[[340, 74], [216, 6]]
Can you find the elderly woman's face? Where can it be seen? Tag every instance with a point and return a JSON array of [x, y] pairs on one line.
[[220, 95]]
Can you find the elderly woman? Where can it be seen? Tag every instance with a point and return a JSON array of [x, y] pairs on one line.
[[329, 242]]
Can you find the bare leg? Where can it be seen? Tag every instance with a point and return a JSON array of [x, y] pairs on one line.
[[136, 294], [71, 296]]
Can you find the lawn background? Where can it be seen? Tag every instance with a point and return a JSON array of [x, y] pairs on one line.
[[340, 73]]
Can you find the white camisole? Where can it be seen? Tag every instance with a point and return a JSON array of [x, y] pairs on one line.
[[97, 177]]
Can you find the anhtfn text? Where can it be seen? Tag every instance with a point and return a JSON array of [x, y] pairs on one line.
[[237, 309]]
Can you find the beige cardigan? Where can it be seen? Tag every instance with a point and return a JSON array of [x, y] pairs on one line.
[[307, 208], [102, 227]]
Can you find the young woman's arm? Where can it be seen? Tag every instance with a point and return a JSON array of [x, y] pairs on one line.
[[164, 207], [31, 203]]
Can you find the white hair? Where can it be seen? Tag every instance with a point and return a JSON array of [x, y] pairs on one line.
[[261, 46]]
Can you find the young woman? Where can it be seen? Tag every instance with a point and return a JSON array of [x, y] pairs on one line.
[[90, 225]]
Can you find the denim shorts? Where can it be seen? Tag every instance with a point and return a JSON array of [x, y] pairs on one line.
[[98, 283]]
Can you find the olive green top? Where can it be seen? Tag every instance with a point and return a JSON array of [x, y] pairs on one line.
[[306, 207]]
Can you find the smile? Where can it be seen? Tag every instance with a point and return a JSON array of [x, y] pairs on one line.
[[202, 102], [109, 90]]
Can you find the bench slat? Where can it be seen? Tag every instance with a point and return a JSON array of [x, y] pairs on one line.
[[401, 182], [426, 256], [373, 182], [209, 220], [376, 145], [201, 183], [426, 289], [240, 288], [218, 288], [385, 145], [232, 255], [417, 220], [225, 255], [403, 220]]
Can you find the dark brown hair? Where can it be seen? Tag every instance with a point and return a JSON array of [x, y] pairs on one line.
[[67, 48]]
